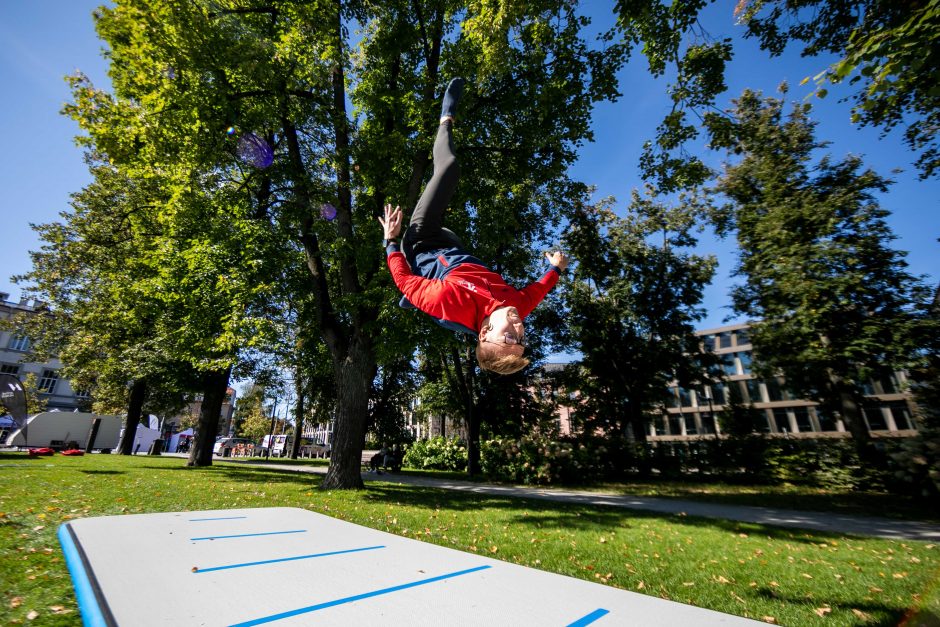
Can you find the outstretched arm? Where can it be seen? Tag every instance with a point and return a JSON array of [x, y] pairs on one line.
[[534, 293]]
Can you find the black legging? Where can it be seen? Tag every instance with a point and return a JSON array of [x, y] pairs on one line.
[[426, 230]]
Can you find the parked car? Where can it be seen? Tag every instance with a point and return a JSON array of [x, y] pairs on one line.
[[224, 446]]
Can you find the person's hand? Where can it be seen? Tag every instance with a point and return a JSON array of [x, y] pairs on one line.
[[557, 259], [392, 221]]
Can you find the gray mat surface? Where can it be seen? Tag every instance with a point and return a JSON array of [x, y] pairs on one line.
[[290, 567]]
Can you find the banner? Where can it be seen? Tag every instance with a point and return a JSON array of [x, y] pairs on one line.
[[13, 397]]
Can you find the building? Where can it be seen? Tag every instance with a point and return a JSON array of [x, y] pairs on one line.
[[174, 424], [888, 408], [14, 353]]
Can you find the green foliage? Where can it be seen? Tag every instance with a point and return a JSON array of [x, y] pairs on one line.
[[436, 453], [834, 303], [634, 298], [888, 51], [539, 460]]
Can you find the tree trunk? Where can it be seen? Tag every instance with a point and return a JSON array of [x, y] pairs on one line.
[[298, 416], [134, 406], [214, 383], [353, 383]]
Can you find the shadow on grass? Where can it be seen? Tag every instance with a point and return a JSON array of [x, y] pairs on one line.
[[103, 472], [539, 512], [895, 615]]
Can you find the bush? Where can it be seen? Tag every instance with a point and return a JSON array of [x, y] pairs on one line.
[[436, 453], [538, 460]]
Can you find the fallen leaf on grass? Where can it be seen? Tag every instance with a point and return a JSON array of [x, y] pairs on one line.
[[822, 611], [899, 575], [15, 602], [875, 589], [33, 615], [721, 579], [59, 609], [807, 575], [640, 586], [769, 619], [861, 615]]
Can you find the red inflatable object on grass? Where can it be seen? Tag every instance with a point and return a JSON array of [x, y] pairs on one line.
[[35, 452], [74, 451]]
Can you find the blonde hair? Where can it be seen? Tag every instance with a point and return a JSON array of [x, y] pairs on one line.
[[491, 357]]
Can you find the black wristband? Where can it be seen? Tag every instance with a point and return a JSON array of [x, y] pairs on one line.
[[388, 242]]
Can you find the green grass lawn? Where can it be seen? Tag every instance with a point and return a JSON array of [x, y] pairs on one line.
[[784, 576], [784, 496]]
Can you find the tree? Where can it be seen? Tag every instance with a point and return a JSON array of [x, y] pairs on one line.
[[634, 298], [833, 302], [890, 49], [183, 73], [887, 53]]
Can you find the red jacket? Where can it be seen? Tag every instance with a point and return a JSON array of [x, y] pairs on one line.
[[467, 294]]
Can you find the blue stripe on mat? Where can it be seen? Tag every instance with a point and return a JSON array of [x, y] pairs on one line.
[[219, 518], [286, 559], [357, 597], [249, 535], [92, 615], [590, 618]]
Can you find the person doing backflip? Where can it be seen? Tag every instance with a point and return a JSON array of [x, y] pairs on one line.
[[438, 276]]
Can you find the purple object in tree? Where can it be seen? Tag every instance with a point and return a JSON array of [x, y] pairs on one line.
[[327, 211], [255, 151]]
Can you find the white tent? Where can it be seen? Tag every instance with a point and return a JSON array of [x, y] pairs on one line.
[[59, 428]]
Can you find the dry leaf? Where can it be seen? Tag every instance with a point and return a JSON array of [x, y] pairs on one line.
[[688, 583], [875, 589], [774, 584], [640, 586], [15, 602], [899, 575], [33, 615], [769, 619], [861, 615], [807, 575], [494, 549], [822, 611], [721, 579]]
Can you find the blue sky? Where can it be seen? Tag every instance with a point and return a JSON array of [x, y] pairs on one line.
[[41, 41]]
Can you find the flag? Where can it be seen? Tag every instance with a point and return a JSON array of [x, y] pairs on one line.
[[13, 397]]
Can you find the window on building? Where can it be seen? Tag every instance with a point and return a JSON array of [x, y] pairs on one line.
[[902, 414], [891, 384], [83, 394], [708, 343], [776, 391], [745, 358], [18, 343], [728, 364], [753, 391], [48, 381], [685, 399], [762, 423], [671, 400], [690, 424], [674, 426], [708, 423], [782, 419], [718, 394], [742, 337], [661, 424], [868, 388], [803, 422], [825, 420], [874, 417], [10, 369], [724, 340]]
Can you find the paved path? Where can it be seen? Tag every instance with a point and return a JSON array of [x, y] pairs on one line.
[[834, 523]]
